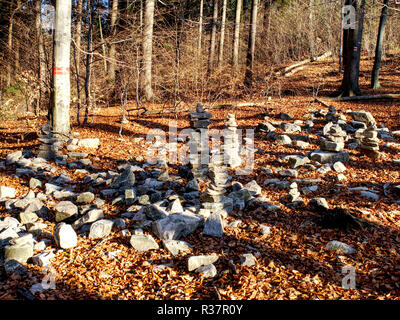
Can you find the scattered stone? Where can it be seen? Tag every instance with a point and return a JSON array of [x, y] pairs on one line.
[[100, 229], [35, 183], [214, 225], [20, 249], [65, 236], [43, 259], [89, 143], [12, 267], [288, 173], [339, 167], [28, 217], [283, 140], [265, 230], [7, 192], [194, 262], [247, 260], [89, 217], [65, 210], [176, 247], [335, 245], [369, 195], [143, 242], [12, 158], [85, 197], [329, 157], [253, 187], [207, 271], [317, 204]]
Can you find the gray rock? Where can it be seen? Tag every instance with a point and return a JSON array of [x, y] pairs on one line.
[[288, 173], [89, 217], [207, 271], [119, 223], [14, 267], [290, 127], [335, 245], [89, 143], [28, 217], [332, 146], [176, 247], [192, 185], [176, 225], [65, 236], [195, 262], [100, 229], [143, 242], [265, 230], [7, 192], [126, 180], [329, 157], [50, 188], [214, 225], [35, 183], [283, 140], [12, 158], [43, 259], [247, 260], [65, 210], [20, 249], [369, 195], [339, 167], [130, 196], [175, 207], [253, 187], [85, 197], [317, 204], [297, 161]]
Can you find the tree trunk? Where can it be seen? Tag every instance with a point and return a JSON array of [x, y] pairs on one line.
[[200, 28], [148, 49], [237, 35], [222, 37], [61, 68], [10, 44], [378, 50], [213, 37], [248, 81], [89, 56], [311, 30], [41, 55], [351, 55], [77, 56], [114, 15]]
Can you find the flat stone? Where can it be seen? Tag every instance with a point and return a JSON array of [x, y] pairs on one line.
[[247, 260], [335, 245], [339, 167], [43, 259], [14, 267], [7, 192], [100, 229], [369, 195], [143, 242], [195, 262], [12, 158], [130, 196], [65, 210], [316, 204], [176, 247], [92, 143], [207, 271], [288, 173], [85, 197], [65, 236], [126, 180], [297, 161], [19, 252], [332, 146], [329, 157], [89, 217], [28, 217], [175, 207], [35, 183], [253, 187], [265, 230], [176, 225], [283, 140]]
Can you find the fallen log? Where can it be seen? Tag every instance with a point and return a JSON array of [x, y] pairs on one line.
[[298, 64], [360, 98]]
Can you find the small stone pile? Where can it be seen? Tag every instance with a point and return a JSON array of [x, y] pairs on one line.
[[370, 142], [49, 146], [331, 116], [333, 138], [219, 179], [198, 144], [231, 143]]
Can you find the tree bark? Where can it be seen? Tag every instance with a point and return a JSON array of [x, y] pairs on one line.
[[148, 49], [251, 45], [237, 35], [378, 49], [222, 36], [114, 15], [89, 57], [311, 30], [10, 44], [213, 37], [41, 55], [200, 28], [61, 68]]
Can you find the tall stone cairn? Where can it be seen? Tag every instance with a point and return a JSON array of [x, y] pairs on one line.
[[218, 174], [333, 138], [231, 146], [49, 145], [370, 142], [198, 144]]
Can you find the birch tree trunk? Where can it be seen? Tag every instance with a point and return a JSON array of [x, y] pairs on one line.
[[10, 43], [222, 37], [213, 37], [251, 45], [148, 49], [114, 15], [61, 68], [237, 35], [41, 55], [378, 49]]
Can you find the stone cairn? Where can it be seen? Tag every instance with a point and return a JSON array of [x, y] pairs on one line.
[[333, 138], [49, 146], [231, 144], [214, 195], [370, 142], [198, 144]]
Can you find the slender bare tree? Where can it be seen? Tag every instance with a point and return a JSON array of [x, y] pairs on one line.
[[222, 36], [114, 15], [41, 55], [148, 49], [213, 37], [200, 27], [248, 81], [237, 35]]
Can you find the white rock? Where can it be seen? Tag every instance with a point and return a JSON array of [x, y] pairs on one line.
[[89, 143], [7, 192], [65, 236]]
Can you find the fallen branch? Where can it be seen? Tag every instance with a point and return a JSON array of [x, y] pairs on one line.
[[301, 63], [358, 98]]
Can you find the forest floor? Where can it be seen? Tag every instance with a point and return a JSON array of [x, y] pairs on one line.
[[292, 261]]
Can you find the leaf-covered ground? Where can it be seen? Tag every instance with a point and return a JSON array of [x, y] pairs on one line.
[[292, 262]]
